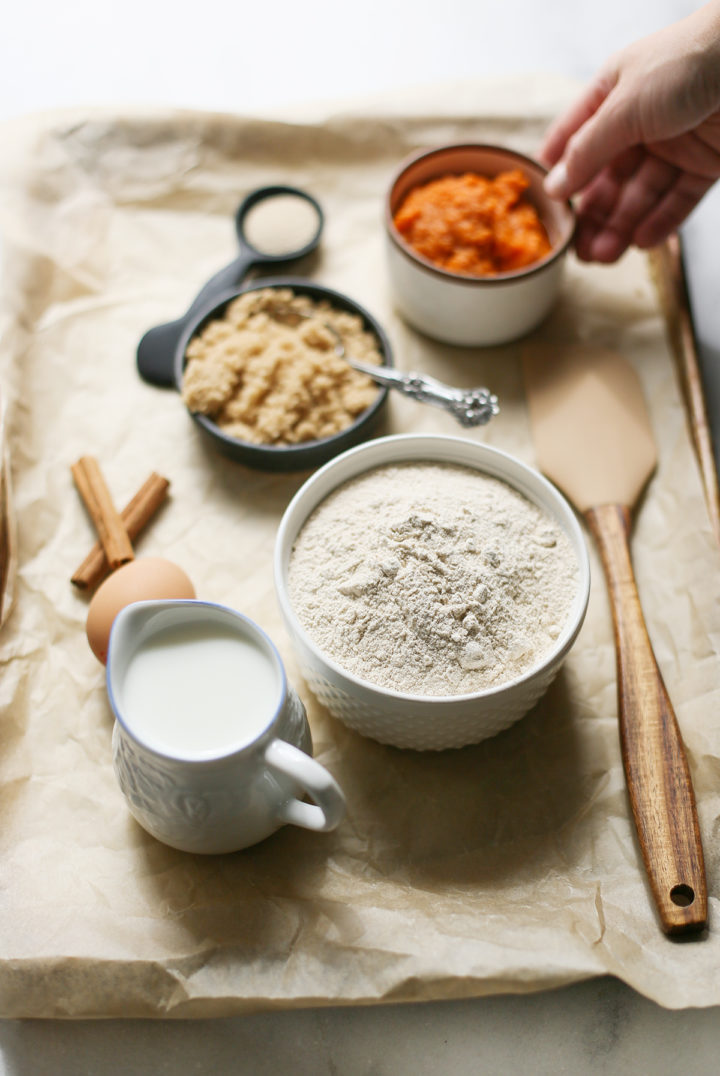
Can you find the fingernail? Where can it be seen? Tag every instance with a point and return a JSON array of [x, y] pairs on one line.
[[556, 181]]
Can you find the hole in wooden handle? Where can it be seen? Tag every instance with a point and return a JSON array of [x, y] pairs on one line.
[[682, 895]]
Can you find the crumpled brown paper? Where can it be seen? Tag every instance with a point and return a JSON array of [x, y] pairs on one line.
[[508, 866]]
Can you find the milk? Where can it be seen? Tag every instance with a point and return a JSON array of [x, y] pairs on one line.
[[198, 690]]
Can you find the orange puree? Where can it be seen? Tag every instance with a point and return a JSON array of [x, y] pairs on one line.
[[474, 225]]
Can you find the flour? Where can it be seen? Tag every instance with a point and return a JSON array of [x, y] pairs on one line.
[[432, 579]]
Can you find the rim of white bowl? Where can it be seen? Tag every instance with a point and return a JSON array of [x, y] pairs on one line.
[[321, 483], [467, 279]]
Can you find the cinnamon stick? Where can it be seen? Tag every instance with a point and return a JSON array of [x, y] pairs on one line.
[[135, 516], [110, 528]]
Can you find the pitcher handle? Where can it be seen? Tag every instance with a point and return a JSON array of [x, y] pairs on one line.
[[328, 810]]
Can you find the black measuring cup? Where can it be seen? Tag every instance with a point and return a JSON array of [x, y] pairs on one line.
[[156, 350]]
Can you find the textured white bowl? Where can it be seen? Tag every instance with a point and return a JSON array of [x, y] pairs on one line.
[[426, 722], [465, 310]]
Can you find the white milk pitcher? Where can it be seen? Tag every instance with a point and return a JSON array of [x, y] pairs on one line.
[[211, 746]]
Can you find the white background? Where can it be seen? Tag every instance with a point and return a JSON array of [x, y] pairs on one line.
[[265, 58], [248, 57]]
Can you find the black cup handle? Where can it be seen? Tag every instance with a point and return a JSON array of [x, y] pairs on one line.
[[156, 350]]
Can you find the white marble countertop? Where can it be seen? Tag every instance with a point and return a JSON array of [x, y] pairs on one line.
[[256, 59]]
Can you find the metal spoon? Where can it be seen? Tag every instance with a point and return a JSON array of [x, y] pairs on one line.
[[470, 407]]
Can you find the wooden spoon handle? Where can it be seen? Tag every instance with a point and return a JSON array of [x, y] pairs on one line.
[[656, 769]]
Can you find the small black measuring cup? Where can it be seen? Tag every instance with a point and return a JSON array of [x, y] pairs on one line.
[[156, 350]]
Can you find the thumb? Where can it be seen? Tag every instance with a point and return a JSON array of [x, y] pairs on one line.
[[607, 133]]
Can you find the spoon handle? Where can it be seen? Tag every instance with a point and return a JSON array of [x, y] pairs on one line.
[[656, 768], [470, 407]]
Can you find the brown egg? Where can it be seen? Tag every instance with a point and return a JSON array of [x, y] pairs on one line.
[[143, 579]]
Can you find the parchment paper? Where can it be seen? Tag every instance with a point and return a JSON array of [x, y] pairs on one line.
[[508, 866]]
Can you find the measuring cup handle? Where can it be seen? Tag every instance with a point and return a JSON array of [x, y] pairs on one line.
[[328, 810], [156, 350], [156, 353], [223, 281]]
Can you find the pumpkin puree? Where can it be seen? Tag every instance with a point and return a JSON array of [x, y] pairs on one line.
[[473, 225]]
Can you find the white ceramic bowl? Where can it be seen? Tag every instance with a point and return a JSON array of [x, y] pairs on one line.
[[417, 721], [465, 310]]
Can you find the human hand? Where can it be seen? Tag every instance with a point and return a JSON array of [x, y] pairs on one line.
[[642, 145]]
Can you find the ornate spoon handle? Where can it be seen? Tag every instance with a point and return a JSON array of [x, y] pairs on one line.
[[471, 407]]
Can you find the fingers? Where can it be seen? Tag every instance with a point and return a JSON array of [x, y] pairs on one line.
[[618, 202], [598, 203], [558, 134], [698, 150], [640, 200], [608, 132], [671, 211]]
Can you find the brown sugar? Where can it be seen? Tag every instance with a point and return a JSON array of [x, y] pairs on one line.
[[268, 378]]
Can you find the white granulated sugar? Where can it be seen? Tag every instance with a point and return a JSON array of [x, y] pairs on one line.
[[432, 579]]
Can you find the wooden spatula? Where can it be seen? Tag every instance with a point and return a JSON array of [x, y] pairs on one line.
[[593, 439]]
